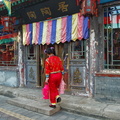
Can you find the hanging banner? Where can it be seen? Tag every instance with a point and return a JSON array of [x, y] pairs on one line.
[[59, 30], [48, 10]]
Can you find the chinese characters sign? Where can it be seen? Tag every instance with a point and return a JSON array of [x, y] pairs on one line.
[[48, 10], [63, 7]]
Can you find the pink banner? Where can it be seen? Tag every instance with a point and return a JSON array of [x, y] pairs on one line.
[[64, 23], [49, 29]]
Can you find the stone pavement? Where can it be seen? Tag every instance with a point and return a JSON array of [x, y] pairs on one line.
[[77, 104], [10, 112]]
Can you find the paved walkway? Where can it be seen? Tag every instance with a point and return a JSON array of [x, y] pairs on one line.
[[77, 104], [10, 112]]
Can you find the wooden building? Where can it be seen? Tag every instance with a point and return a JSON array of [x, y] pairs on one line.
[[86, 37]]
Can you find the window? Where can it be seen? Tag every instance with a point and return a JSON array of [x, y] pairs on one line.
[[112, 37], [31, 52], [8, 54], [78, 49]]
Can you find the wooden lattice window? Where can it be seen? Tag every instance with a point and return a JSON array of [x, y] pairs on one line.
[[8, 54]]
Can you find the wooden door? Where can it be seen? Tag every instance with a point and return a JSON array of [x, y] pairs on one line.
[[77, 67]]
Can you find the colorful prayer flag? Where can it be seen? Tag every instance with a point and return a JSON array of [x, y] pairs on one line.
[[73, 27]]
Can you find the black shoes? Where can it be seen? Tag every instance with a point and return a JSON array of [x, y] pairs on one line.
[[52, 106], [58, 99]]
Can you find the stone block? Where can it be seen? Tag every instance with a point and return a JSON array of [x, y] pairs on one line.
[[112, 112], [35, 106]]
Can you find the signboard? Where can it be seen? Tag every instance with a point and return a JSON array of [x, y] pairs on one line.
[[105, 1], [48, 10]]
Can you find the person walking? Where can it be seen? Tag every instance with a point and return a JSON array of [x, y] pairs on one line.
[[54, 74]]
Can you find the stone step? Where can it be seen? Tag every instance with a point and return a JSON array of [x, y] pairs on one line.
[[41, 106]]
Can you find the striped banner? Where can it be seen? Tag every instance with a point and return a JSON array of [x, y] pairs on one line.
[[24, 34], [28, 35], [63, 29]]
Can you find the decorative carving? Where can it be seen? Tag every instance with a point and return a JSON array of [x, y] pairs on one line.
[[8, 23], [31, 74], [78, 88], [77, 76], [89, 7]]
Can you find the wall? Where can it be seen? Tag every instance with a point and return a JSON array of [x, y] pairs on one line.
[[106, 86], [107, 89], [9, 78]]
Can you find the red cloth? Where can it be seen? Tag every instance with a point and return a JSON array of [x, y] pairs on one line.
[[53, 64]]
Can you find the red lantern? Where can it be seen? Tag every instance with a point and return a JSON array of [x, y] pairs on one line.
[[89, 7], [8, 23]]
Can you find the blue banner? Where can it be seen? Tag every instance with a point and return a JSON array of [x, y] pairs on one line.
[[105, 1]]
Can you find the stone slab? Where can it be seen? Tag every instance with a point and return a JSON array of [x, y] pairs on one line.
[[84, 105], [35, 106], [112, 112]]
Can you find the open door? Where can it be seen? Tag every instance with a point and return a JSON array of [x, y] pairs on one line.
[[43, 56], [61, 51]]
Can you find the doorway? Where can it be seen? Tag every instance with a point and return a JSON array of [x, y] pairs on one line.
[[73, 55], [61, 51]]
